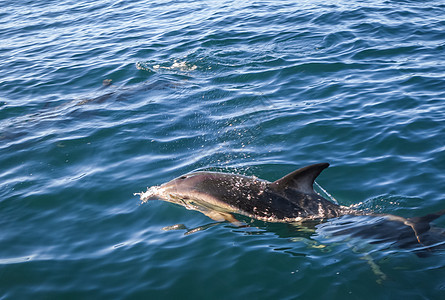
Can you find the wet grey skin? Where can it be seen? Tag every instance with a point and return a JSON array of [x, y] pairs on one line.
[[290, 199]]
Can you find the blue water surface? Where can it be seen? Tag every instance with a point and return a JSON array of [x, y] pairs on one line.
[[102, 99]]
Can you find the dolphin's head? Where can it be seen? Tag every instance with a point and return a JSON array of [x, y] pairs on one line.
[[217, 195], [184, 184], [210, 189], [179, 189]]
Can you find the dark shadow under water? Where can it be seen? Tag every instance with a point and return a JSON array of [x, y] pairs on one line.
[[364, 229]]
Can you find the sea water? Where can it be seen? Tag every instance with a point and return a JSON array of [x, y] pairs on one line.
[[101, 99]]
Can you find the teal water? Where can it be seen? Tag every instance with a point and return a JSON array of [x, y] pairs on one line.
[[101, 99]]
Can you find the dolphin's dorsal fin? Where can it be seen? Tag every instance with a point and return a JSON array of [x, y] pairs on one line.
[[301, 179]]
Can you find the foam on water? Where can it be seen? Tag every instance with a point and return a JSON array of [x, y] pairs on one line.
[[151, 192]]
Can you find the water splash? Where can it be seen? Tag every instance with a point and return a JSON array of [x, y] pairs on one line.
[[150, 193], [177, 65], [325, 193]]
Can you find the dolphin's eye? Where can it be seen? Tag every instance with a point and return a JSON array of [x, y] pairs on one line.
[[183, 177]]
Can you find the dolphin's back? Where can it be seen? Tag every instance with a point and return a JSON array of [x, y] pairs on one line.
[[289, 198]]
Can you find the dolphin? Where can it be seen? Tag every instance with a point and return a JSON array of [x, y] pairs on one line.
[[290, 199], [220, 195]]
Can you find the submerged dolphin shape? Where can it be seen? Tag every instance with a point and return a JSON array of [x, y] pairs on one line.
[[286, 200]]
